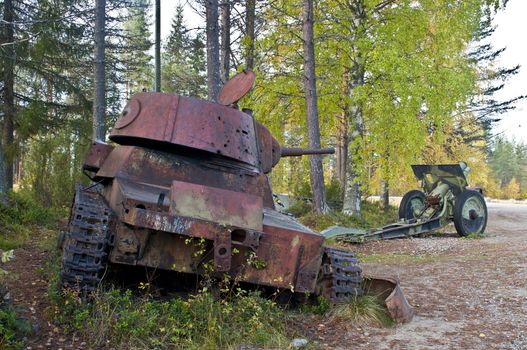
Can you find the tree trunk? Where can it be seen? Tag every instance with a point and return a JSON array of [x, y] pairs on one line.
[[342, 142], [250, 14], [8, 98], [385, 195], [213, 54], [99, 102], [352, 188], [225, 54], [313, 131], [158, 47], [3, 188], [352, 191]]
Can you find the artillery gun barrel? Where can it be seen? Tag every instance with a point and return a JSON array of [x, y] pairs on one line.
[[294, 152]]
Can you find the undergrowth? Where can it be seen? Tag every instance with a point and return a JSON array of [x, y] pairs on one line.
[[12, 329], [372, 216], [21, 215], [123, 321]]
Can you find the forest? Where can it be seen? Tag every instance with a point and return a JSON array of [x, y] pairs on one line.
[[396, 84], [386, 83]]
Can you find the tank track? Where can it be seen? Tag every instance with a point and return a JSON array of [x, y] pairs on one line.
[[340, 276], [85, 247]]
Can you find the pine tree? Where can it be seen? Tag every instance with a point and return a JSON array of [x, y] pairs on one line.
[[184, 60], [138, 61]]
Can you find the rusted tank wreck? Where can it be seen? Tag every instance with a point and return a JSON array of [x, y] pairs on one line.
[[185, 188]]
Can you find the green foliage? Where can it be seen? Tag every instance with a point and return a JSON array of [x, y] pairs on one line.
[[183, 69], [123, 320], [137, 60], [508, 165], [372, 216], [20, 216], [320, 307], [12, 329]]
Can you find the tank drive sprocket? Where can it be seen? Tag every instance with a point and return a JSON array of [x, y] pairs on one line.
[[86, 243], [340, 276]]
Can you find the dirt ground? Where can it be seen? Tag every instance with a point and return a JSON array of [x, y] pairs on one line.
[[468, 294]]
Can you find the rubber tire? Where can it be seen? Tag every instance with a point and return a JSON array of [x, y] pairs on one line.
[[461, 199], [406, 212]]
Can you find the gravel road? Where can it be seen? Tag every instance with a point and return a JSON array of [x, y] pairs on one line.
[[468, 294]]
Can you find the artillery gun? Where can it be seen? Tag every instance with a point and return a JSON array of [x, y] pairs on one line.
[[446, 198], [185, 188]]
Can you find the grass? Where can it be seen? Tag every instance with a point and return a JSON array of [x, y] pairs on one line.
[[123, 321], [365, 310], [472, 236]]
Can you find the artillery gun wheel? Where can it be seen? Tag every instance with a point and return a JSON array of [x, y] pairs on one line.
[[85, 244], [470, 213], [412, 202]]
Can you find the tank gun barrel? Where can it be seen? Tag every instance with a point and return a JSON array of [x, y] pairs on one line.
[[295, 152]]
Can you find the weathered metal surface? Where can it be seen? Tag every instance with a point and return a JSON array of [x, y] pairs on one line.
[[430, 175], [236, 88], [129, 113], [157, 168], [96, 156], [388, 290], [171, 121], [444, 185], [295, 152], [215, 204], [269, 148]]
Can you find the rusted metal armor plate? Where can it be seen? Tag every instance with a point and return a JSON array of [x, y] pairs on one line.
[[170, 121], [96, 156], [159, 168], [388, 290], [216, 205], [269, 148], [236, 88]]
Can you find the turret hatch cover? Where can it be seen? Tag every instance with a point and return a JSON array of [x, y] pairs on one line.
[[236, 88]]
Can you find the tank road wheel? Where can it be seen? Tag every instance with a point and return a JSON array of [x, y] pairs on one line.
[[470, 213], [413, 202], [85, 245], [340, 276]]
